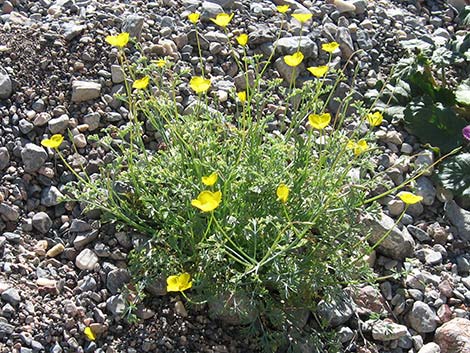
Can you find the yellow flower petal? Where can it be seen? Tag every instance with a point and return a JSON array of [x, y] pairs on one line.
[[242, 96], [318, 71], [409, 198], [118, 41], [222, 19], [358, 147], [375, 119], [141, 83], [89, 333], [319, 121], [302, 17], [294, 59], [179, 282], [207, 201], [54, 142], [199, 84], [160, 62], [242, 39], [330, 47], [282, 192], [193, 17], [282, 8], [210, 179]]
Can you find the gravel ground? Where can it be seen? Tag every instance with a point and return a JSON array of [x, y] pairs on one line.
[[61, 272]]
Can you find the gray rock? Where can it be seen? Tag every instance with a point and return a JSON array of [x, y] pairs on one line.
[[12, 296], [72, 30], [92, 120], [226, 4], [86, 260], [116, 280], [4, 158], [33, 157], [424, 160], [85, 90], [433, 258], [345, 334], [116, 305], [361, 6], [6, 329], [25, 126], [41, 119], [335, 313], [42, 222], [79, 226], [463, 264], [343, 37], [85, 238], [117, 75], [383, 330], [430, 348], [133, 25], [459, 218], [8, 212], [426, 189], [422, 318], [210, 10], [289, 45], [6, 88], [454, 336], [58, 125], [397, 244], [50, 196], [13, 238]]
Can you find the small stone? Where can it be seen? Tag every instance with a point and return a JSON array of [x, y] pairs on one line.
[[79, 141], [6, 88], [459, 217], [85, 238], [433, 258], [287, 72], [92, 120], [368, 300], [344, 6], [42, 222], [58, 125], [116, 305], [86, 260], [85, 90], [4, 158], [116, 280], [180, 309], [12, 296], [133, 25], [424, 161], [430, 348], [42, 119], [6, 329], [33, 157], [385, 330], [422, 318], [55, 250], [335, 313], [426, 189], [454, 336], [9, 212], [117, 75], [395, 207], [14, 238], [50, 196]]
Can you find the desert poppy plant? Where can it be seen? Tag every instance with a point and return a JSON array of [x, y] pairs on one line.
[[179, 283], [330, 47], [242, 96], [358, 147], [282, 8], [89, 333], [119, 40], [318, 71], [294, 59], [141, 83], [207, 201], [375, 119], [210, 179], [282, 192], [409, 198], [302, 17], [193, 17], [199, 84], [54, 142], [222, 19], [319, 121], [242, 39]]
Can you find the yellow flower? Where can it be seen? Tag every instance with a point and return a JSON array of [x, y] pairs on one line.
[[242, 39], [294, 59], [375, 119], [242, 96], [141, 83], [358, 147], [199, 84], [409, 198], [89, 333], [282, 8], [179, 283], [210, 180], [193, 17], [330, 47], [222, 19], [302, 17], [282, 192], [118, 41], [160, 62], [318, 71], [319, 121], [207, 201], [54, 142]]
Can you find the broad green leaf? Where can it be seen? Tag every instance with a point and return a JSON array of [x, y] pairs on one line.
[[462, 94], [454, 174]]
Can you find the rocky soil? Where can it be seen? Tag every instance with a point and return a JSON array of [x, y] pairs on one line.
[[61, 272]]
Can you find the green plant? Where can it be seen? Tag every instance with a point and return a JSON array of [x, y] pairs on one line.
[[419, 94], [259, 225]]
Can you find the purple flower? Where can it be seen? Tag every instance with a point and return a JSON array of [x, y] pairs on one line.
[[466, 132]]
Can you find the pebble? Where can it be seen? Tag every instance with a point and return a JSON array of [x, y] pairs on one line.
[[430, 348], [454, 336], [385, 330], [180, 309], [459, 218], [55, 250], [335, 313], [116, 280], [42, 222], [6, 87], [12, 296], [85, 91], [86, 260], [51, 196], [58, 125], [422, 318], [33, 157], [4, 158]]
